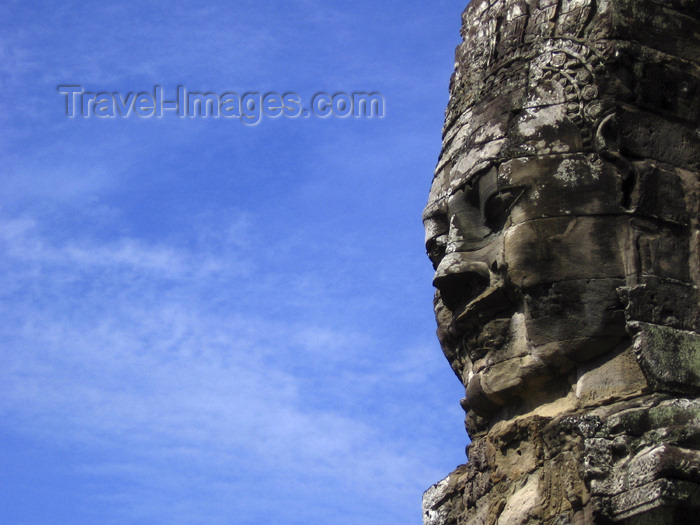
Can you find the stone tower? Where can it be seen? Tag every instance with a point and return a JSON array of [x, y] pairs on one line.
[[563, 225]]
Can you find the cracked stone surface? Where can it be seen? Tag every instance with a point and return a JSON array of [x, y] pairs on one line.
[[563, 223]]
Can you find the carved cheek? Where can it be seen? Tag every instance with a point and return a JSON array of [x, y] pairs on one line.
[[550, 250]]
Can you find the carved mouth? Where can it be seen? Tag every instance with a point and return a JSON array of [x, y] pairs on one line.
[[468, 323]]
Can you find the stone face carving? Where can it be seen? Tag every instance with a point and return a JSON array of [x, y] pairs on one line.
[[563, 225]]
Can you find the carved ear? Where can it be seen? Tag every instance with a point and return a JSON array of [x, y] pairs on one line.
[[607, 143], [607, 137]]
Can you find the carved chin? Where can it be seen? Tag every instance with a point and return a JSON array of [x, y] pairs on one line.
[[501, 366]]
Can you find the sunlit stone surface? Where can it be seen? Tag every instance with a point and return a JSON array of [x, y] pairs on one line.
[[563, 225]]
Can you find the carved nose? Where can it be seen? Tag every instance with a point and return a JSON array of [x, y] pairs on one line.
[[460, 280]]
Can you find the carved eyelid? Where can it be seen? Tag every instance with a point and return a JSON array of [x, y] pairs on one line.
[[495, 219], [488, 186], [480, 187]]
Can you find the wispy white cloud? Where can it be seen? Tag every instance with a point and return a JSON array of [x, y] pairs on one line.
[[206, 323], [116, 346]]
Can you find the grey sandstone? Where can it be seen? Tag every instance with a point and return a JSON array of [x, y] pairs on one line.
[[563, 226]]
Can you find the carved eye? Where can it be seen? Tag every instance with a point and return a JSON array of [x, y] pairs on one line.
[[497, 208]]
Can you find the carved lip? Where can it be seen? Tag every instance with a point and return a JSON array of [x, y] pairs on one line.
[[488, 306]]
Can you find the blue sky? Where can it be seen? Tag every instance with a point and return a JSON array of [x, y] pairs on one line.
[[206, 322]]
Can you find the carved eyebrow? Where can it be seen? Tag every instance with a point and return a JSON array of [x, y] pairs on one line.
[[436, 208]]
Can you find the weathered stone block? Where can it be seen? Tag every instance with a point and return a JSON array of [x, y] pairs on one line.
[[670, 358], [610, 379]]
